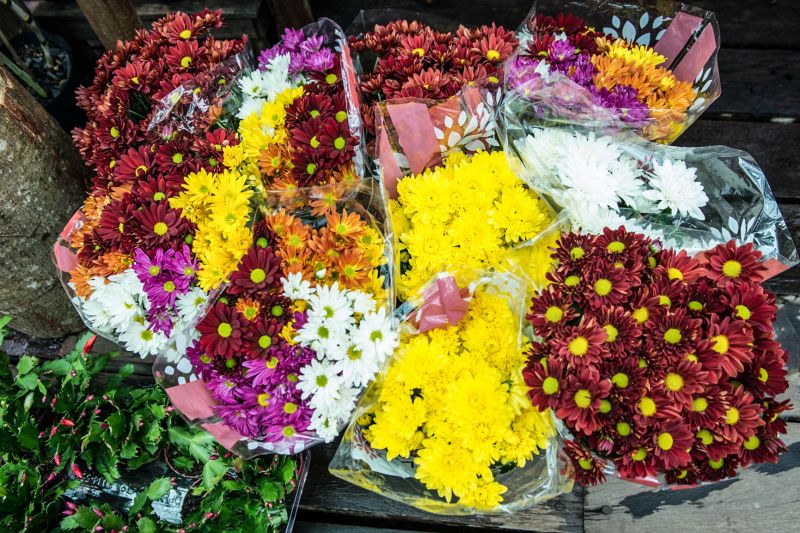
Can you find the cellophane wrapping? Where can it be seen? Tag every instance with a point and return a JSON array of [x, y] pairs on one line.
[[658, 80], [605, 175], [296, 311], [406, 423]]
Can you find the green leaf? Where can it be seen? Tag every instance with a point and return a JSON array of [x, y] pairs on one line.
[[28, 381], [126, 370], [116, 424], [138, 503], [28, 437], [86, 518], [112, 522], [129, 450], [268, 490], [287, 470], [159, 488], [146, 525], [25, 364], [158, 411], [213, 472], [59, 367]]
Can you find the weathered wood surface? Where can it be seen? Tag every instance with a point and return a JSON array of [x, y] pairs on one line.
[[764, 498], [41, 182], [111, 20]]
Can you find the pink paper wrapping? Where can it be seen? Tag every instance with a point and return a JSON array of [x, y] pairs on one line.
[[675, 38], [444, 304], [195, 403], [66, 260]]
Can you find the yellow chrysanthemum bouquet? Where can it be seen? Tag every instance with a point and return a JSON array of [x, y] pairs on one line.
[[449, 428]]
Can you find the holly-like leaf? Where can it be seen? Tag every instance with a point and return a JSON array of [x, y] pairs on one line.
[[146, 525], [116, 424], [27, 381], [159, 488], [59, 367], [138, 503], [213, 472], [25, 364], [28, 437]]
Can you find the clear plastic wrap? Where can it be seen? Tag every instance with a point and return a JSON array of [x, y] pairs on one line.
[[315, 276], [435, 430], [650, 65], [601, 176], [153, 311]]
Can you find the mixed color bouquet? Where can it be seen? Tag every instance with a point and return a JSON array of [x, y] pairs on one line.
[[658, 362], [652, 71], [451, 413], [304, 322], [124, 257]]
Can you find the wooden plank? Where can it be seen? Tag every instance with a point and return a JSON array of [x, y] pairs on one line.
[[744, 23], [773, 146], [326, 495], [763, 498]]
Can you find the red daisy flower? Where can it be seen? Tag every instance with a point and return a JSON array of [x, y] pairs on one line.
[[209, 147], [742, 417], [623, 334], [702, 300], [116, 224], [260, 335], [570, 281], [709, 360], [136, 164], [671, 443], [588, 469], [670, 296], [175, 159], [609, 287], [493, 48], [711, 444], [276, 306], [682, 380], [220, 331], [731, 339], [159, 225], [581, 400], [707, 408], [546, 380], [314, 106], [636, 463], [259, 270], [185, 56], [773, 423], [582, 344], [93, 246], [688, 475], [624, 249], [153, 190], [673, 334], [627, 378], [761, 448], [718, 469], [654, 408], [645, 306], [766, 374], [551, 308], [677, 266], [574, 251], [729, 263], [754, 305]]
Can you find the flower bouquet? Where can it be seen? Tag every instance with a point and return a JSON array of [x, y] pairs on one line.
[[124, 257], [305, 319], [448, 427], [651, 68], [662, 365], [690, 199]]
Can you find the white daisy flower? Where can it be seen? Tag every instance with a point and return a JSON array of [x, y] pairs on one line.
[[344, 406], [330, 304], [674, 186], [319, 383], [250, 106], [377, 335], [190, 304], [295, 287], [323, 336], [140, 340], [326, 427], [362, 302], [357, 367], [98, 315]]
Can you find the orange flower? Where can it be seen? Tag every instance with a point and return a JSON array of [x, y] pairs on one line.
[[274, 160], [324, 245], [293, 259], [325, 198], [80, 276], [93, 207], [111, 263], [353, 268], [296, 235], [346, 226], [279, 222], [248, 308], [118, 191]]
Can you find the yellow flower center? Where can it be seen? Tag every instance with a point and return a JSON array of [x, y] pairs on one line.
[[664, 300], [623, 428], [615, 247], [577, 253], [641, 315], [673, 382], [154, 270], [314, 142], [763, 375], [141, 169], [185, 34], [620, 380], [290, 408], [674, 273], [586, 463], [224, 330], [493, 79], [699, 405], [550, 385], [578, 346], [339, 143], [605, 406], [696, 306], [732, 268], [572, 281], [611, 332], [639, 455], [721, 344], [492, 55], [257, 275], [160, 228], [705, 436], [602, 287], [169, 286], [341, 116], [263, 399], [732, 416], [264, 342], [331, 78], [272, 362], [743, 312], [752, 443], [682, 474], [288, 431], [418, 52], [114, 132], [673, 336], [665, 441], [642, 363], [159, 196], [647, 406], [186, 61], [716, 465], [177, 158], [651, 262], [583, 399], [311, 168], [554, 314]]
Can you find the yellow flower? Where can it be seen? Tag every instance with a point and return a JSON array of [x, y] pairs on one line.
[[233, 156], [519, 214], [396, 426], [640, 55], [448, 469]]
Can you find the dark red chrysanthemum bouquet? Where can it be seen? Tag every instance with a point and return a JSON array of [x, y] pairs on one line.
[[412, 59], [658, 362]]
